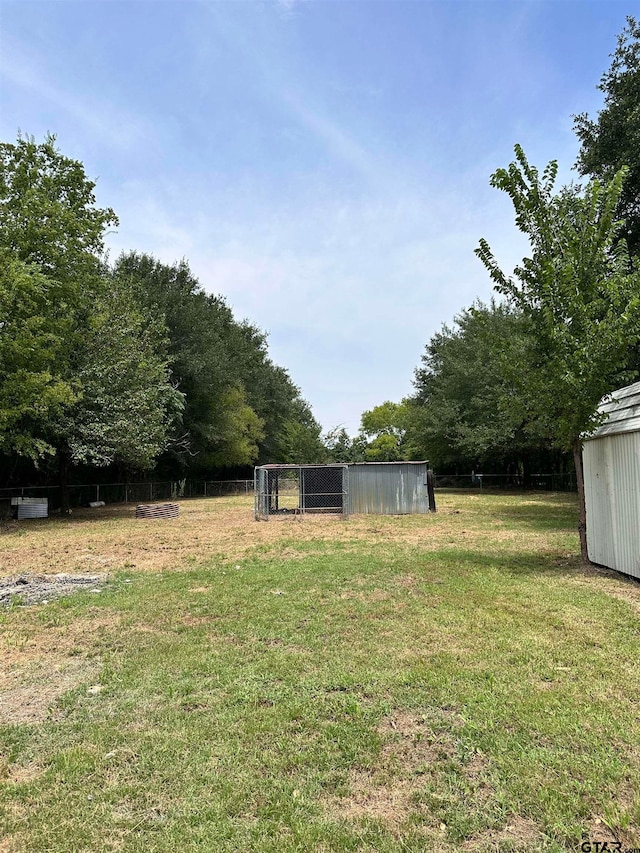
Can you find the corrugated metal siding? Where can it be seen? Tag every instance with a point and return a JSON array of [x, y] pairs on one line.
[[390, 488], [33, 508], [612, 494], [622, 410]]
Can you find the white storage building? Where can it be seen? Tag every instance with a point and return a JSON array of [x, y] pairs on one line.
[[611, 457]]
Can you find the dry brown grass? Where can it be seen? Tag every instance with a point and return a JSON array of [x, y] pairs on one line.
[[410, 748], [413, 749], [43, 662], [111, 538], [519, 833]]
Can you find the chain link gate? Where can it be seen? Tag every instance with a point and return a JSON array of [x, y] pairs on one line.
[[300, 489]]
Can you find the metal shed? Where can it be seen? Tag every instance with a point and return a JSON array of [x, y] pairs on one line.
[[611, 457], [389, 488], [383, 488]]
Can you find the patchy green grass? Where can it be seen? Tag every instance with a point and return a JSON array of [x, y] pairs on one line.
[[406, 684]]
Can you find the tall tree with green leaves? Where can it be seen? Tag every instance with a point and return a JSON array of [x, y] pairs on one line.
[[341, 447], [464, 412], [239, 405], [49, 217], [300, 438], [49, 222], [127, 408], [219, 426], [612, 140], [99, 361], [383, 428], [35, 385], [580, 291]]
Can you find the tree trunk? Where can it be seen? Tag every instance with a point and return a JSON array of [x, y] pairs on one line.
[[582, 507], [64, 462]]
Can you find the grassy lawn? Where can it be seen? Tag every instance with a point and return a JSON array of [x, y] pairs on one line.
[[448, 682]]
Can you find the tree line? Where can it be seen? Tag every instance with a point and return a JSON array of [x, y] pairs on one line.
[[121, 367]]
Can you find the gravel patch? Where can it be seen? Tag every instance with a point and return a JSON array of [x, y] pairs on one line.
[[40, 589]]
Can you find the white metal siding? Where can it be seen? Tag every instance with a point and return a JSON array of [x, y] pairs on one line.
[[612, 494]]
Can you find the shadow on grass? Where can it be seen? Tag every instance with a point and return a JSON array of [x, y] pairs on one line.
[[520, 564], [530, 563], [538, 510]]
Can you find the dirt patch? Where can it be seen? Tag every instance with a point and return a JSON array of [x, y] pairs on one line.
[[415, 748], [27, 695], [40, 589], [21, 774], [519, 833], [365, 597], [388, 803], [41, 663], [11, 844], [410, 749], [411, 744], [407, 581], [597, 830], [191, 621]]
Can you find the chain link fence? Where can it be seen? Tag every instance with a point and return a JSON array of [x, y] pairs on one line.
[[298, 489], [113, 493], [517, 482], [287, 492]]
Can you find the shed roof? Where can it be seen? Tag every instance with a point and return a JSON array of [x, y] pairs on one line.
[[622, 408], [272, 466]]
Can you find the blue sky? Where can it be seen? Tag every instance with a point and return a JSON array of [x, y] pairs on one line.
[[324, 165]]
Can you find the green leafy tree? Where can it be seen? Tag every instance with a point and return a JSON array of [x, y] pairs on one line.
[[99, 361], [34, 375], [240, 407], [220, 428], [270, 392], [383, 428], [49, 218], [340, 446], [463, 415], [612, 140], [240, 431], [49, 221], [580, 292], [301, 441], [126, 406]]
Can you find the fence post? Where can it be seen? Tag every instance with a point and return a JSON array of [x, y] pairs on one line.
[[98, 492], [430, 492], [150, 492]]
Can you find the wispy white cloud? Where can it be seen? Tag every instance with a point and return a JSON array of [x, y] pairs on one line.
[[348, 311], [338, 141], [287, 6], [106, 123], [276, 77]]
